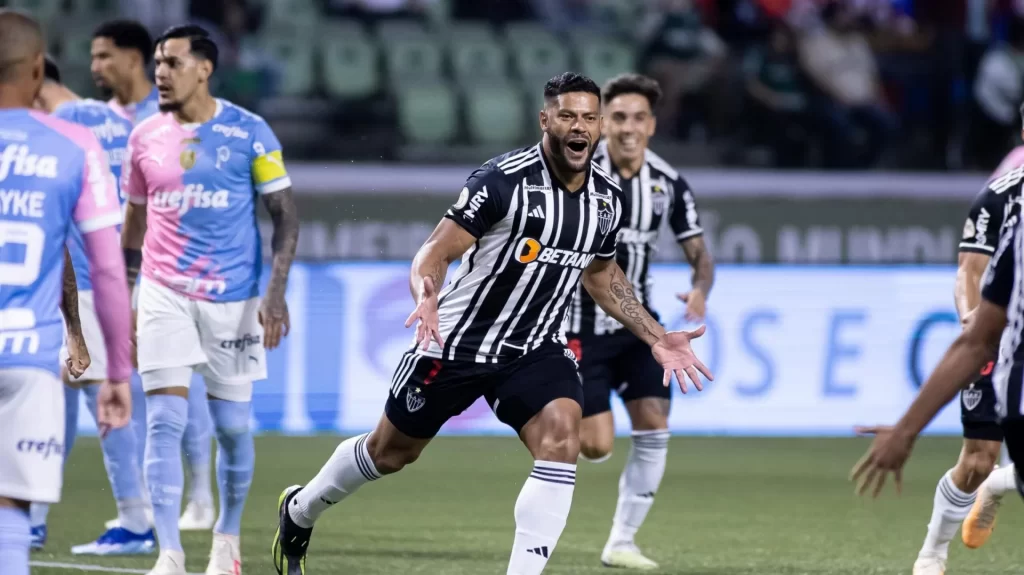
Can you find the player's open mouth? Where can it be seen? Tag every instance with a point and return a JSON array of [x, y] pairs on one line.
[[577, 147]]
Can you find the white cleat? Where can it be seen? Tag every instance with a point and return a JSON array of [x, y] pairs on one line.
[[197, 517], [626, 556], [169, 563], [225, 556], [930, 566]]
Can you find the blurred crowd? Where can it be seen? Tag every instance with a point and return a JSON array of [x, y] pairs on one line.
[[835, 84]]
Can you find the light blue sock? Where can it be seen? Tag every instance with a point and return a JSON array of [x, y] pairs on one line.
[[236, 461], [166, 418], [196, 444], [119, 458], [40, 511], [15, 537], [139, 419]]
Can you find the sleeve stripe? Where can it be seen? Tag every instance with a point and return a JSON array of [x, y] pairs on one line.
[[980, 247], [100, 222], [277, 185], [690, 233]]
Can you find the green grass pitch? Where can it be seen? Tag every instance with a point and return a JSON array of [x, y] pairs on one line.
[[727, 506]]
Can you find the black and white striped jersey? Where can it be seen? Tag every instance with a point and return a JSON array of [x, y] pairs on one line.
[[995, 208], [656, 193], [1003, 285], [534, 239]]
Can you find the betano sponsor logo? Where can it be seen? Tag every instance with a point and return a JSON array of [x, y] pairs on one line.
[[17, 160], [529, 251], [192, 197]]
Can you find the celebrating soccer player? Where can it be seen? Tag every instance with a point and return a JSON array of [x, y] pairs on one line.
[[529, 226], [121, 50], [191, 177], [610, 356], [996, 208], [133, 534], [54, 174]]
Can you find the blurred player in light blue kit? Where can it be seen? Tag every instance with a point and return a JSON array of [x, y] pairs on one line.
[[192, 176], [134, 534], [53, 178], [121, 51]]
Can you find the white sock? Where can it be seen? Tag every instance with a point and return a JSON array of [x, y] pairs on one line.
[[541, 512], [349, 468], [131, 514], [638, 484], [1002, 481], [949, 510]]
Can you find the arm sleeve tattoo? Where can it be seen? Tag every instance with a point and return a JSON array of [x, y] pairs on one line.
[[69, 296], [285, 217]]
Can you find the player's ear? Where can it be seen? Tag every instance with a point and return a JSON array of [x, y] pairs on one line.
[[206, 69], [544, 119]]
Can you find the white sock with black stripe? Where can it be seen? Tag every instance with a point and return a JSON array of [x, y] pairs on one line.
[[541, 512], [949, 510], [348, 469], [638, 484]]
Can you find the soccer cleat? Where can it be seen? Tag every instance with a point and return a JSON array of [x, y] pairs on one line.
[[119, 541], [116, 522], [169, 563], [291, 542], [38, 537], [197, 517], [981, 520], [930, 566], [225, 555], [626, 556]]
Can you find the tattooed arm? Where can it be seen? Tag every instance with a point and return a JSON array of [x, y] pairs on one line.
[[69, 298], [606, 283], [274, 310], [700, 260], [445, 245]]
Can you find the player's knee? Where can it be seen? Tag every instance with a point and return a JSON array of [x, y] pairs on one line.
[[979, 464], [595, 448], [560, 439], [390, 458]]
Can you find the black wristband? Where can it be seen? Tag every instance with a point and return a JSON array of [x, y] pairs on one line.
[[132, 258]]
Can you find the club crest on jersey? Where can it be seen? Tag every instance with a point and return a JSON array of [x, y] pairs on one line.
[[414, 401], [187, 159], [659, 200], [971, 398], [605, 215]]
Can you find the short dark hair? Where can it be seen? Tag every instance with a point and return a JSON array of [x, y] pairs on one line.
[[50, 69], [567, 83], [127, 35], [632, 84], [202, 45]]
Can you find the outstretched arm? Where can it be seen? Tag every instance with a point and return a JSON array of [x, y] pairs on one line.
[[446, 244], [605, 282]]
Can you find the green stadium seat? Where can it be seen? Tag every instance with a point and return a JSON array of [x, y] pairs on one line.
[[75, 46], [94, 9], [604, 58], [495, 114], [427, 114], [302, 14], [411, 57], [349, 61], [537, 54], [476, 58], [45, 10], [295, 54]]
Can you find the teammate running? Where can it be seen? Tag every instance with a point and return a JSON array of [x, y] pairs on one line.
[[192, 177], [529, 226], [53, 174], [996, 208], [134, 534], [121, 51], [611, 357]]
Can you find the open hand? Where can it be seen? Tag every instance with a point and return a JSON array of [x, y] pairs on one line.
[[674, 354], [426, 316], [888, 453]]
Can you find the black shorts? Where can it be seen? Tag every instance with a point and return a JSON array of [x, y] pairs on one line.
[[978, 409], [427, 392], [618, 361]]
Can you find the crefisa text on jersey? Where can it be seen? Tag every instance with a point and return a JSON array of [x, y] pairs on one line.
[[18, 160]]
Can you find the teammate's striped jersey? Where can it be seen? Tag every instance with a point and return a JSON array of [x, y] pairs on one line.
[[53, 177], [1003, 285], [655, 194], [997, 207], [111, 130], [534, 239]]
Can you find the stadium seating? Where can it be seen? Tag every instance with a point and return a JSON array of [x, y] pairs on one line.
[[294, 53], [427, 113], [349, 61], [475, 58], [603, 58], [495, 114], [412, 56], [299, 14]]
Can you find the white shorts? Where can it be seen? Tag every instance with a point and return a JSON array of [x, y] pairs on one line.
[[31, 435], [93, 340], [222, 340]]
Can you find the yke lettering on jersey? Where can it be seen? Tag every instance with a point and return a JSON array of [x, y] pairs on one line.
[[193, 196], [17, 160]]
